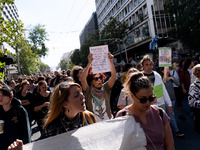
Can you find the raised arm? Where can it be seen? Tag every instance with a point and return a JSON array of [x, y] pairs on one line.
[[112, 79], [85, 72]]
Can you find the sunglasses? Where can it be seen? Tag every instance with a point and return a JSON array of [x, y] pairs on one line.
[[145, 99], [97, 78]]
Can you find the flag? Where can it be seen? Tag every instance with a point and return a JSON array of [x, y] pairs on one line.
[[153, 45]]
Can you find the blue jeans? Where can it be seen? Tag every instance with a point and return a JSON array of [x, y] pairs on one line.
[[173, 123]]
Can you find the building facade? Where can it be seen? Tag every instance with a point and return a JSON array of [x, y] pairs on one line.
[[90, 28], [9, 12], [146, 17]]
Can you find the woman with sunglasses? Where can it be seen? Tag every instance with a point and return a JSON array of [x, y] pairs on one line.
[[156, 126], [26, 98], [67, 112], [97, 92]]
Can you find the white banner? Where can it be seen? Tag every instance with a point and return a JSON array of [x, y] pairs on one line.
[[122, 133]]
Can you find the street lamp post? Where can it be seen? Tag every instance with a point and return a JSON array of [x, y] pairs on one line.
[[18, 66], [117, 39]]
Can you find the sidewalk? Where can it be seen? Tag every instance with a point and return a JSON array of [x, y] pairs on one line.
[[191, 140]]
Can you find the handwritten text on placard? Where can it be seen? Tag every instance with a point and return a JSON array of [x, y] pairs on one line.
[[100, 61]]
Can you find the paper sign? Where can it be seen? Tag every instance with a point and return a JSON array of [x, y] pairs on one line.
[[122, 133], [101, 62], [158, 91], [165, 56]]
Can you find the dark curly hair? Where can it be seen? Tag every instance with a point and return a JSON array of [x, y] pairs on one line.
[[90, 76], [137, 81]]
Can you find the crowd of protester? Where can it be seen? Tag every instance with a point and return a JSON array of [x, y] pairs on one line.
[[70, 99]]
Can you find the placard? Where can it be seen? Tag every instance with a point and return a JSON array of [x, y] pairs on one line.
[[165, 56], [101, 62]]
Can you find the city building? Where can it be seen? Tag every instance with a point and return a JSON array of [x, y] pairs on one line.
[[90, 28], [147, 19], [9, 12]]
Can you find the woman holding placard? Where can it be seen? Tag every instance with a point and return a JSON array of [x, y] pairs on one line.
[[97, 92]]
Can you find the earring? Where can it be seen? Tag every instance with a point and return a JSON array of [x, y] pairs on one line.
[[67, 110]]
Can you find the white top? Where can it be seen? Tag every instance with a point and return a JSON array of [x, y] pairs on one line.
[[165, 99], [124, 98], [100, 112]]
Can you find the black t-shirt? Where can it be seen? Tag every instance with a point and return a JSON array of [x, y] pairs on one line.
[[39, 100], [29, 97], [151, 77]]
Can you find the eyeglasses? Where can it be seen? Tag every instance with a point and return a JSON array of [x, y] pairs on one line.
[[145, 99], [97, 78]]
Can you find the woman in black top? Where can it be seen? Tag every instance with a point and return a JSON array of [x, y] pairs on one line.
[[41, 102], [26, 98]]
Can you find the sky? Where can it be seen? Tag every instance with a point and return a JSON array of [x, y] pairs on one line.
[[63, 19]]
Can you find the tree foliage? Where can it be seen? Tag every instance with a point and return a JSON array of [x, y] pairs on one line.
[[28, 61], [63, 65], [113, 33], [13, 33], [75, 57], [186, 18], [37, 37], [43, 67]]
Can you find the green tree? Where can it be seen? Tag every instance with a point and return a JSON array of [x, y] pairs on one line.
[[84, 50], [37, 37], [43, 67], [113, 32], [28, 61], [63, 65], [70, 65], [75, 57], [185, 16]]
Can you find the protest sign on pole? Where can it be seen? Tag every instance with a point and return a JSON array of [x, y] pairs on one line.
[[165, 56], [100, 63], [122, 133]]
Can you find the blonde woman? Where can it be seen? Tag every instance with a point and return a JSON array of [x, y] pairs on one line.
[[67, 110]]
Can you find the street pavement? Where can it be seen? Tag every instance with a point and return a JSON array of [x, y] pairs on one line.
[[191, 140]]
